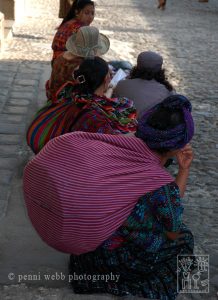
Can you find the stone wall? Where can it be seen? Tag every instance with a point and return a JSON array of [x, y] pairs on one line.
[[1, 31], [12, 9], [7, 8]]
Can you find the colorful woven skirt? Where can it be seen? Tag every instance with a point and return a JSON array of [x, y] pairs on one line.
[[143, 274]]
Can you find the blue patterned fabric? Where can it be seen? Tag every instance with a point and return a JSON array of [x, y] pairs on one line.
[[139, 252], [154, 214]]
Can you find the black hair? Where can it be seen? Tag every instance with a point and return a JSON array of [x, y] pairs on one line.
[[165, 119], [149, 74], [91, 75], [76, 7]]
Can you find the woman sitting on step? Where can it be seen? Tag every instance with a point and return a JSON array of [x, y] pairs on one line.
[[87, 42], [83, 107], [147, 84], [81, 13], [109, 201]]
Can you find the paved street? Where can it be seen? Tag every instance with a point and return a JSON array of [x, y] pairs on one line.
[[186, 34]]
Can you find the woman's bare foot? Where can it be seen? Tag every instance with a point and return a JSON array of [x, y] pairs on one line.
[[162, 4]]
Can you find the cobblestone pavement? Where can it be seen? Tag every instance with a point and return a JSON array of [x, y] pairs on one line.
[[186, 35]]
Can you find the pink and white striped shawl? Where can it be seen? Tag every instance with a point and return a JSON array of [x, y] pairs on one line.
[[82, 186]]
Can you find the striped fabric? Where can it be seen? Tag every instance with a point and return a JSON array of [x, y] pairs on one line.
[[82, 186], [50, 121], [76, 112]]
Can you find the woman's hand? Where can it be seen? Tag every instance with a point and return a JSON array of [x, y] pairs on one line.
[[109, 93], [185, 157]]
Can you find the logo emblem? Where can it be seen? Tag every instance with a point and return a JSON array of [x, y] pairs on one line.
[[193, 274]]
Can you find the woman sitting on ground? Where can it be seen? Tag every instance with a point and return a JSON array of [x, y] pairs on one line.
[[83, 107], [81, 13], [147, 84], [85, 43], [119, 210]]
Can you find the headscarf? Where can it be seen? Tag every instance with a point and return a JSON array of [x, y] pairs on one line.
[[170, 139]]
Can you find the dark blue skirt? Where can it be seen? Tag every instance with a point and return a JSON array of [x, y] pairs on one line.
[[140, 273]]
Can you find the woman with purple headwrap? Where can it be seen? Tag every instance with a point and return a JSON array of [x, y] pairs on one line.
[[143, 250], [119, 209]]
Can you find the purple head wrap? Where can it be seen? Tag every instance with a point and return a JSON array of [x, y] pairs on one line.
[[174, 138]]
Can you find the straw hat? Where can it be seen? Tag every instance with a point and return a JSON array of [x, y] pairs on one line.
[[88, 42]]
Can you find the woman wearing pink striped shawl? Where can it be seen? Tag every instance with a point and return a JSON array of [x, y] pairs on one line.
[[109, 201]]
